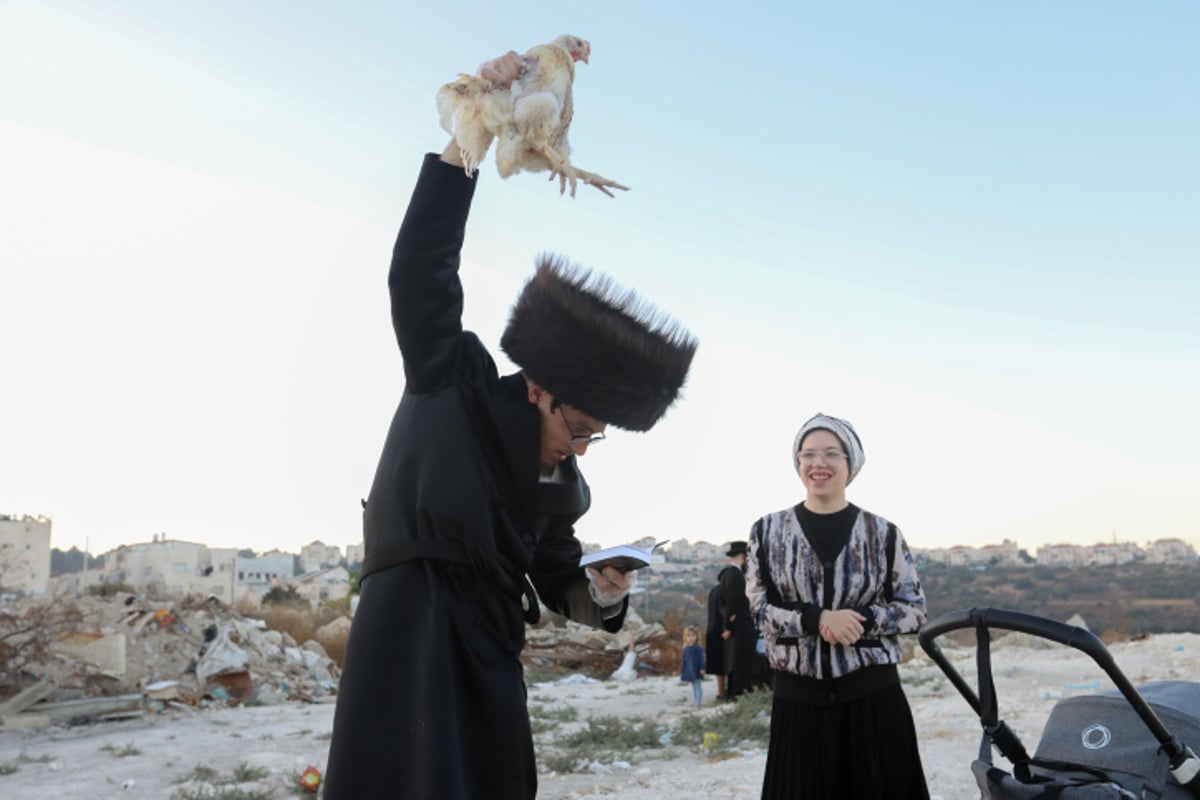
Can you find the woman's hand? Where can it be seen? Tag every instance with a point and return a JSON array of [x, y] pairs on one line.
[[843, 626]]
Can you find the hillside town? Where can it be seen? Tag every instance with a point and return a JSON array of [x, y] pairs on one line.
[[320, 572]]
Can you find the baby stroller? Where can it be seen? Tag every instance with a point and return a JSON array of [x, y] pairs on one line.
[[1094, 747]]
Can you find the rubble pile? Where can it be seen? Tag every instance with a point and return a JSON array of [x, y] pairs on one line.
[[558, 646], [134, 654], [158, 654]]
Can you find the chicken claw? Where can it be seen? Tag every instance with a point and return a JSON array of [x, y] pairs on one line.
[[569, 174], [599, 181]]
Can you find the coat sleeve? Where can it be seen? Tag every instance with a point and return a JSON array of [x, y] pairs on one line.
[[423, 282], [771, 620], [906, 612], [562, 584]]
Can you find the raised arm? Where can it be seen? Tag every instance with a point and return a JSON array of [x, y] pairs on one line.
[[426, 293]]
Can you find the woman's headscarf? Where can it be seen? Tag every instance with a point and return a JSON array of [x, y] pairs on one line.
[[845, 433]]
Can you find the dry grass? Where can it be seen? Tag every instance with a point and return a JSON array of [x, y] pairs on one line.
[[295, 620], [301, 623], [335, 647]]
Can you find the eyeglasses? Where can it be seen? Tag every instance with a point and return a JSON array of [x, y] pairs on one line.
[[830, 456], [580, 438]]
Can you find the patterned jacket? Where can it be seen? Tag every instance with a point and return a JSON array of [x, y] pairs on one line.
[[784, 576]]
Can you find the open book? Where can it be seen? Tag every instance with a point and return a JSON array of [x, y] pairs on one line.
[[624, 557]]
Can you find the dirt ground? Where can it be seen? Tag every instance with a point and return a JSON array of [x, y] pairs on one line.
[[165, 755]]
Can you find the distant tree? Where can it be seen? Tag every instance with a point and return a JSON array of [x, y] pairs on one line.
[[297, 568], [281, 596], [107, 590], [65, 562], [26, 638], [246, 552]]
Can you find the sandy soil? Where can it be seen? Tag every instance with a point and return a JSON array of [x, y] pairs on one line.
[[151, 757]]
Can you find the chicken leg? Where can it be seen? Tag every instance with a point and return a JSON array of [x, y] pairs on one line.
[[591, 179], [562, 168]]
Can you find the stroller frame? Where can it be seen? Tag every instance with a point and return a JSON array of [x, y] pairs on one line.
[[1182, 762]]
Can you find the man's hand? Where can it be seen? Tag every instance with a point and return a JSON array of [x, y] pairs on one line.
[[843, 626], [609, 588], [503, 70]]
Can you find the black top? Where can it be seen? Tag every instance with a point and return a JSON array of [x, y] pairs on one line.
[[828, 533]]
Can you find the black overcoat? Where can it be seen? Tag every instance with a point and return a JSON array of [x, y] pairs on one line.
[[431, 701], [714, 645], [740, 646]]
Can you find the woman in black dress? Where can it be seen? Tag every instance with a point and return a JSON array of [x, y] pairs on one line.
[[831, 586]]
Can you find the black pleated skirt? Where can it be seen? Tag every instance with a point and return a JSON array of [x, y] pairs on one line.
[[862, 749]]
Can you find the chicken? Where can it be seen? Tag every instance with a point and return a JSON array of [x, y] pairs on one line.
[[529, 119]]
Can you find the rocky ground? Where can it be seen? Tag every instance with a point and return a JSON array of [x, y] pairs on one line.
[[261, 751]]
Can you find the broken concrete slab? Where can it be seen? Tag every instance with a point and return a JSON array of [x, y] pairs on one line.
[[26, 698]]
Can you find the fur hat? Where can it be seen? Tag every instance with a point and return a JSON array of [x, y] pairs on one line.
[[845, 433], [597, 347]]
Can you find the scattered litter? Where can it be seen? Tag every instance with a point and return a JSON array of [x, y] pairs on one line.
[[626, 672], [574, 677], [222, 656], [310, 779]]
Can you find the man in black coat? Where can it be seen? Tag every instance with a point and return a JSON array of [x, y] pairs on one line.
[[714, 643], [473, 506], [740, 633]]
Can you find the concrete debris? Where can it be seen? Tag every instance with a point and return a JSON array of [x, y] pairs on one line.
[[134, 653], [559, 647]]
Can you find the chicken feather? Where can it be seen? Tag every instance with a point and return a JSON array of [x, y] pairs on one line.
[[529, 120]]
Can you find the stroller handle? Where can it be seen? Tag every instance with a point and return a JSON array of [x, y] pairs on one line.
[[1185, 765], [1070, 635]]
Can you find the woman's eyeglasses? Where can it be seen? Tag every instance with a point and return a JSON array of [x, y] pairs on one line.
[[830, 456]]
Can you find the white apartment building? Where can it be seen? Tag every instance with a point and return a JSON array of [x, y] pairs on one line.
[[1169, 551], [355, 553], [256, 575], [1061, 555], [321, 585], [318, 555], [698, 553], [962, 555], [1008, 553], [1114, 553], [1005, 554], [175, 567], [24, 553]]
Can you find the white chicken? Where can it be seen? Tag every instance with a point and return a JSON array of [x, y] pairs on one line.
[[529, 119]]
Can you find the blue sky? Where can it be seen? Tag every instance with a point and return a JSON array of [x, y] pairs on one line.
[[970, 230]]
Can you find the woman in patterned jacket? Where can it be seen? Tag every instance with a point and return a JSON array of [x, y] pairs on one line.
[[830, 587]]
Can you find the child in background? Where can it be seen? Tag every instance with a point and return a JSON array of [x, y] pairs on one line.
[[692, 666]]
